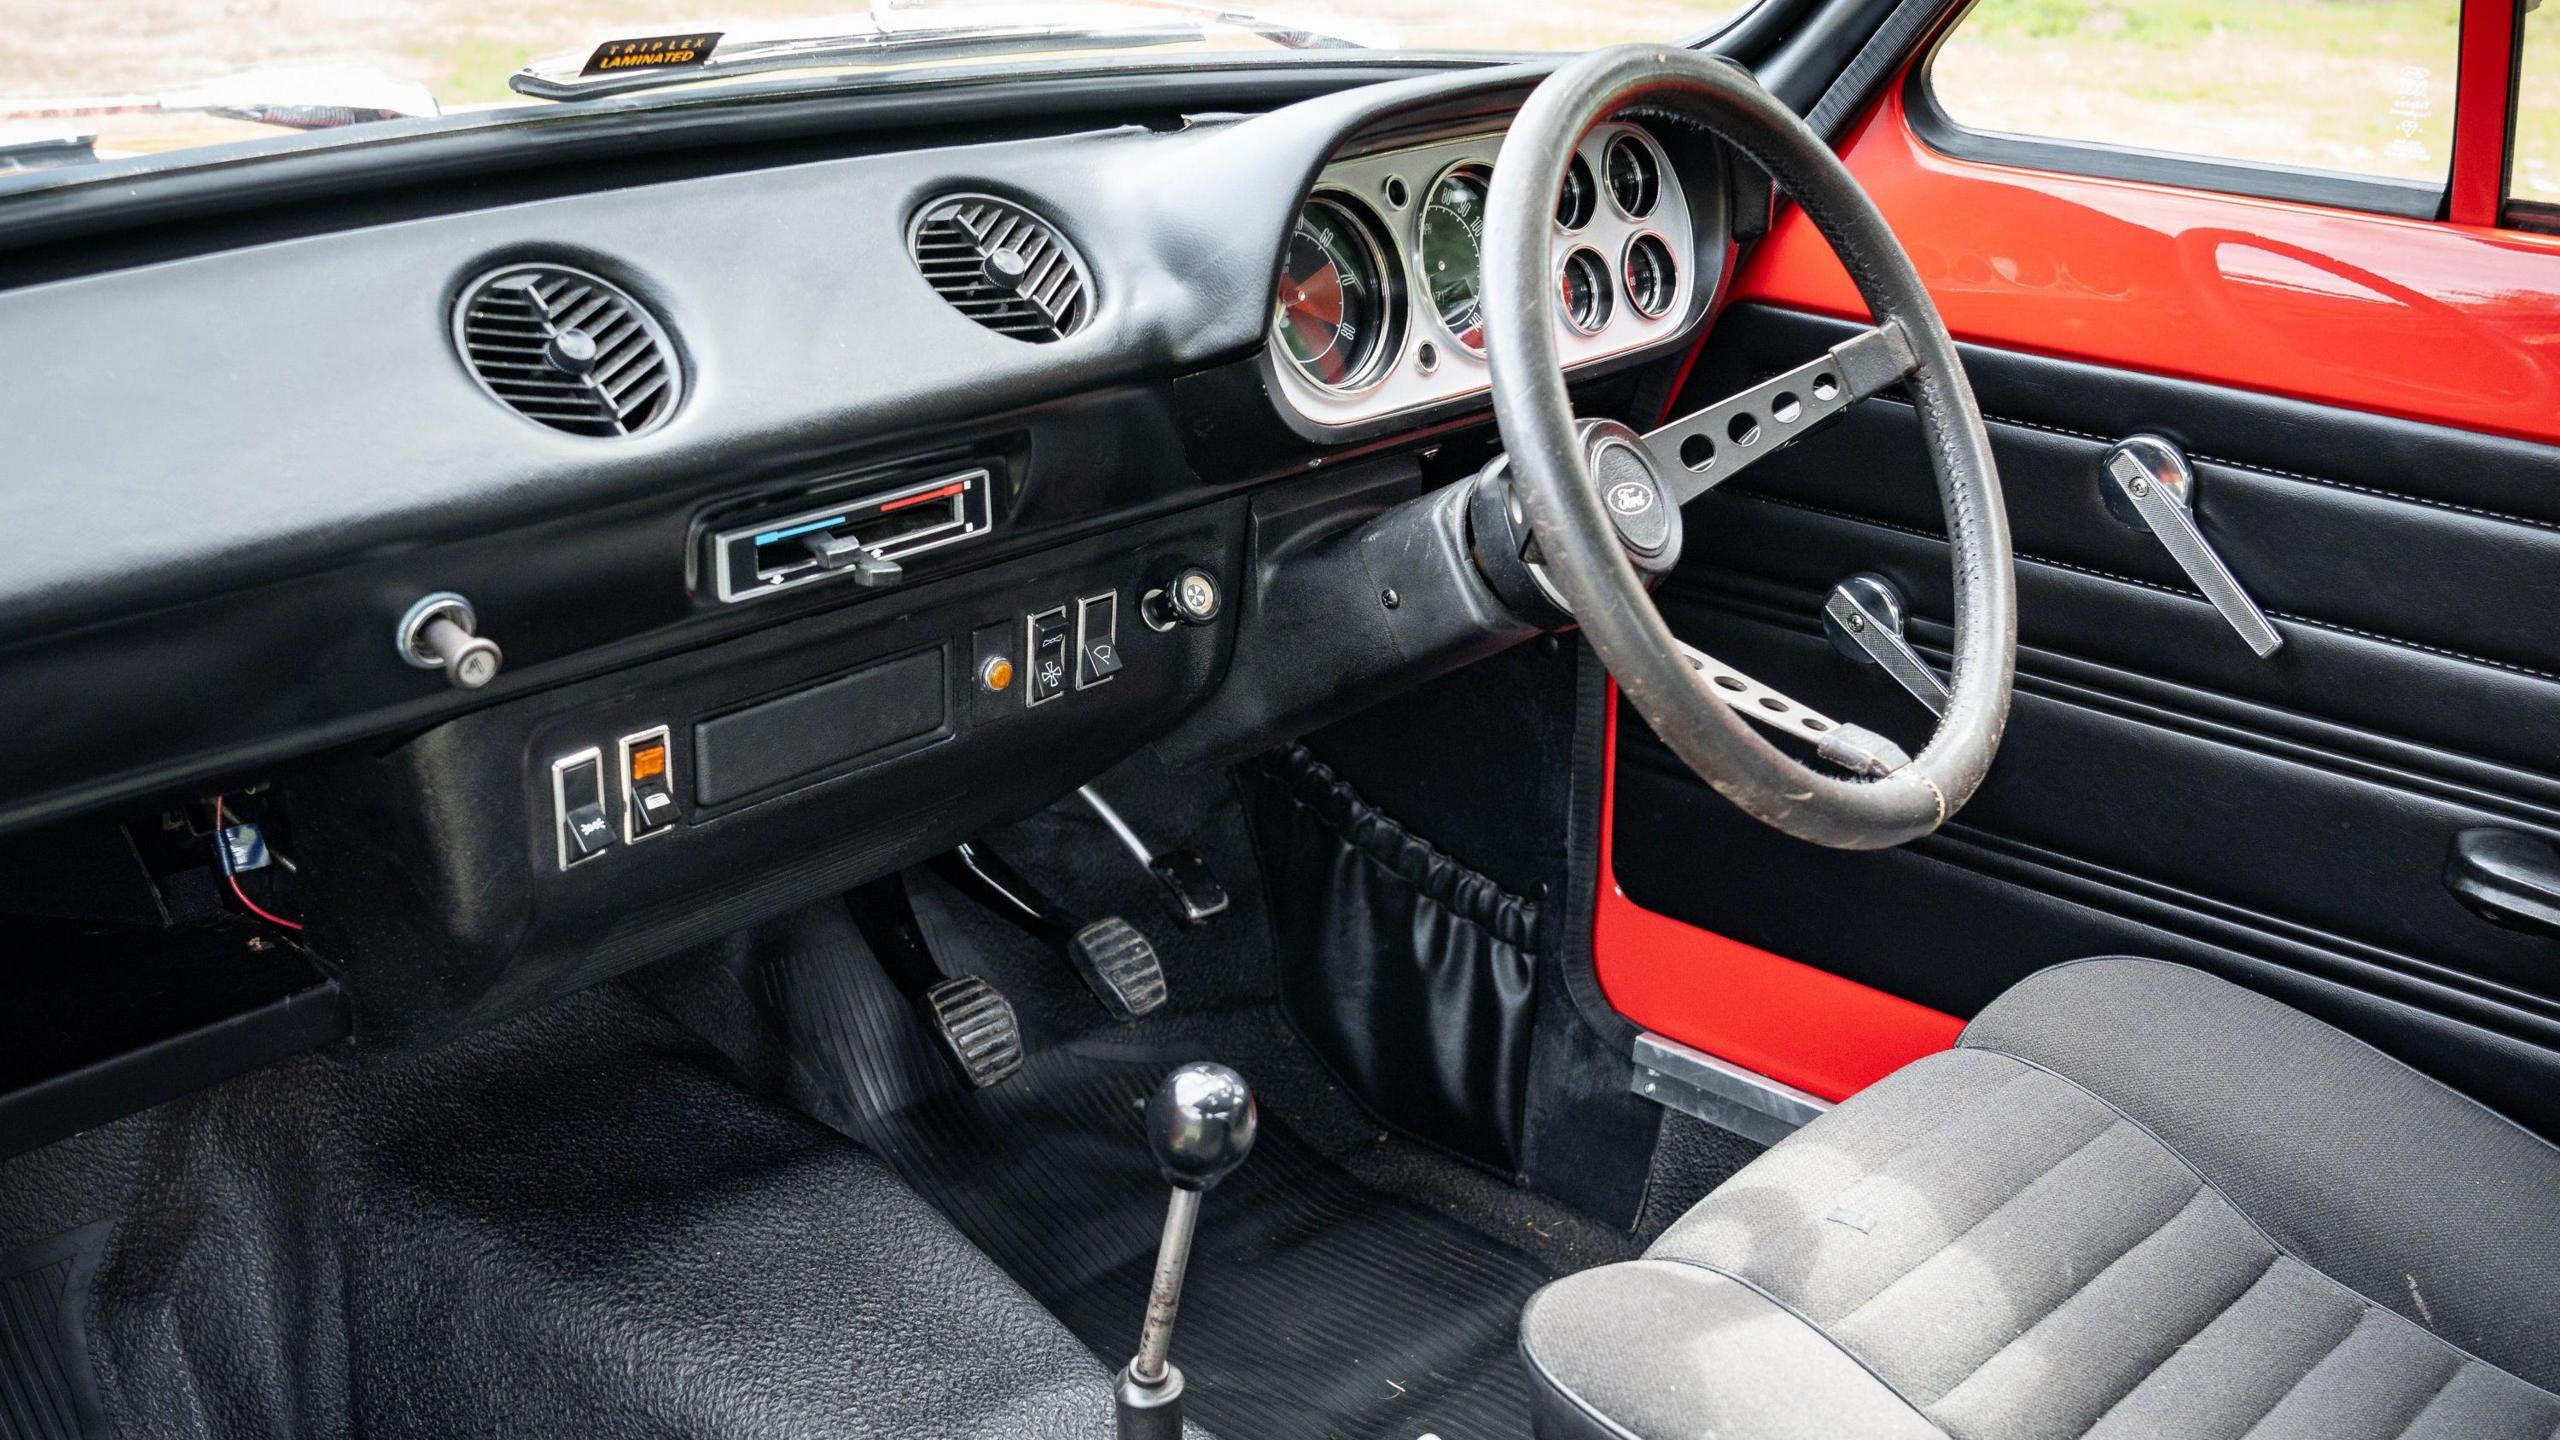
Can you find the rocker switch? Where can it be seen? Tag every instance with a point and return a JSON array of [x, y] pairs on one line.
[[1047, 635], [1097, 639], [648, 785], [577, 807]]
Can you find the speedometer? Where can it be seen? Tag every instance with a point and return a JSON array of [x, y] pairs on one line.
[[1450, 238], [1341, 306]]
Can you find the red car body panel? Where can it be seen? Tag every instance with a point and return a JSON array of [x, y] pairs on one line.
[[1791, 1022], [2424, 320]]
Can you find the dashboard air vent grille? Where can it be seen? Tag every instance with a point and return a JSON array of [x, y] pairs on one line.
[[568, 350], [1003, 267]]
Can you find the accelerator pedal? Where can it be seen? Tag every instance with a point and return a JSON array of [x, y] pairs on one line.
[[977, 1027], [1119, 966]]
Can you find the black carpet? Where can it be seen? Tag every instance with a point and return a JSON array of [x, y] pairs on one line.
[[1317, 1305]]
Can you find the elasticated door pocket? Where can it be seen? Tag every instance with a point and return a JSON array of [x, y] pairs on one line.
[[1408, 974]]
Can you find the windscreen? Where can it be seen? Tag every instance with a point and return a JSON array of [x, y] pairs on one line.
[[85, 81]]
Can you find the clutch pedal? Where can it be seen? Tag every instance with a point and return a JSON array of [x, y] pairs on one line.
[[1119, 966], [978, 1028], [976, 1025]]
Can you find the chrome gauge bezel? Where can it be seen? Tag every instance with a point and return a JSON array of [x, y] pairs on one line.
[[1604, 288], [1579, 165], [1643, 145], [1428, 305], [1627, 272], [1377, 238], [1404, 383]]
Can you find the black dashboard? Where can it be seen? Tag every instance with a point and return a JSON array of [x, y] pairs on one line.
[[871, 540]]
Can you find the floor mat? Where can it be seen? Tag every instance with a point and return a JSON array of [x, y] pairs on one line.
[[1316, 1306], [47, 1390]]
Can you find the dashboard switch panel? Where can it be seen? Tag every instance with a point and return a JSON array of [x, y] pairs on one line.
[[1046, 635], [648, 785], [577, 807], [1097, 639]]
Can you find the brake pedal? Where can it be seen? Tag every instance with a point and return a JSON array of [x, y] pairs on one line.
[[1119, 966], [1116, 963], [977, 1027]]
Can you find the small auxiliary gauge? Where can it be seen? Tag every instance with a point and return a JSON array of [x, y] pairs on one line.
[[1586, 292], [1653, 277]]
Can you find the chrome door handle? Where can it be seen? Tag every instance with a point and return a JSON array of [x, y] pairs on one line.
[[1863, 617], [2149, 487]]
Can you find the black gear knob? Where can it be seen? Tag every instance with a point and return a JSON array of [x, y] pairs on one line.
[[1200, 1123]]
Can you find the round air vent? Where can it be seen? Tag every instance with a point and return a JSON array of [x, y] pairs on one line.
[[568, 350], [1002, 266]]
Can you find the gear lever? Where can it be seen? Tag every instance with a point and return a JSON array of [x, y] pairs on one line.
[[1200, 1125]]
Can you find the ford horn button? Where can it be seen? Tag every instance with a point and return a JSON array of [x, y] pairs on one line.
[[1633, 497]]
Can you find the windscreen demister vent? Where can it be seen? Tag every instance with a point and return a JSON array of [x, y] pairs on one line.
[[565, 349], [1003, 267]]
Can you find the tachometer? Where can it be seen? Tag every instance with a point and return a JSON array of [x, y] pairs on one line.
[[1340, 304], [1450, 240]]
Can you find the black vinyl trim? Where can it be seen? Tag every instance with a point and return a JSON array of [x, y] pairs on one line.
[[307, 1019], [2342, 749], [1805, 63], [2541, 217], [2411, 200], [1867, 75], [2295, 949], [1468, 894], [2023, 558], [1575, 957], [1750, 37], [2256, 468]]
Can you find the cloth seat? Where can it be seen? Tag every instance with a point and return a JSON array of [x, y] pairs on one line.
[[2135, 1200]]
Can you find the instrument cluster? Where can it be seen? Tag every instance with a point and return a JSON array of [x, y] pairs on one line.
[[1380, 303]]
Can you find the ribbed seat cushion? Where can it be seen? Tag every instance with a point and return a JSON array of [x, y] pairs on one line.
[[2004, 1250]]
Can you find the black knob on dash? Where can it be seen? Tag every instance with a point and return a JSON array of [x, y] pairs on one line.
[[1192, 597]]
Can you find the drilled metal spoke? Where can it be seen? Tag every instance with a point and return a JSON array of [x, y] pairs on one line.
[[1708, 447], [1853, 748]]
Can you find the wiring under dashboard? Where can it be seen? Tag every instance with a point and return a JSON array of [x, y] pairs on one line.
[[231, 875]]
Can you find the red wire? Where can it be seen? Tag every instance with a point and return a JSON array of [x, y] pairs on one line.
[[227, 873]]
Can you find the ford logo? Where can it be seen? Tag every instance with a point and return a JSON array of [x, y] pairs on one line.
[[1630, 497]]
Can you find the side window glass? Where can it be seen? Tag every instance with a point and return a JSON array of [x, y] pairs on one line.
[[2303, 99]]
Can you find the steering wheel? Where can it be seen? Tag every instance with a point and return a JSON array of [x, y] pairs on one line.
[[1600, 543]]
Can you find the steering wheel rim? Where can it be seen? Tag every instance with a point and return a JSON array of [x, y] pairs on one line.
[[1579, 546]]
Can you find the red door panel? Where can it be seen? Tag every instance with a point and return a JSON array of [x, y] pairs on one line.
[[1791, 1022]]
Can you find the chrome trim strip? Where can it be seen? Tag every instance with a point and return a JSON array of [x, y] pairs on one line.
[[1720, 1092]]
